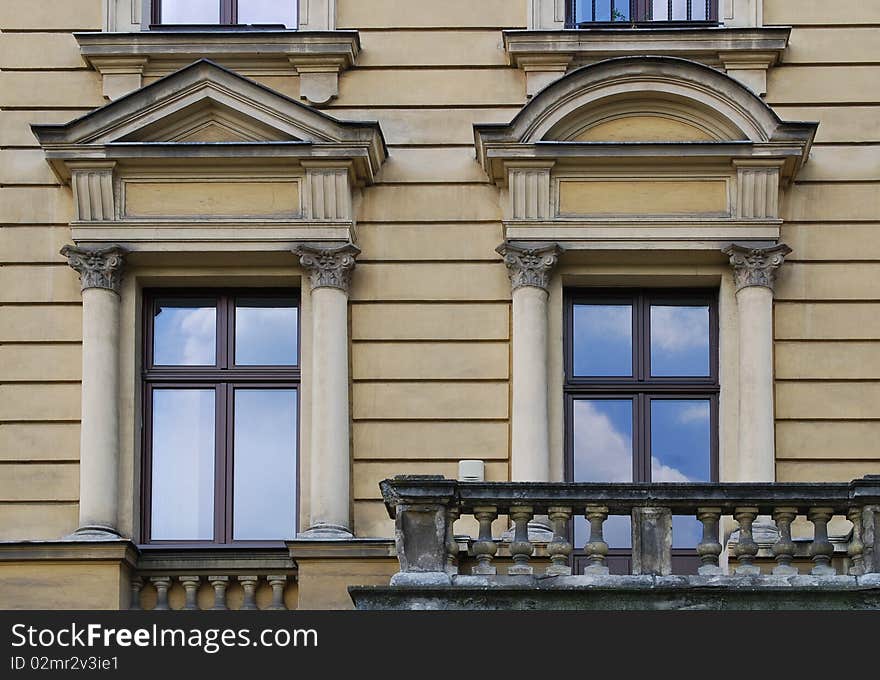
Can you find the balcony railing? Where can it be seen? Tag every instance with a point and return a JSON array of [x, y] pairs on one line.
[[425, 509], [622, 13]]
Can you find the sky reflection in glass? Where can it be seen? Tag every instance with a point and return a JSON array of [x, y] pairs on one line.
[[182, 505], [184, 333], [602, 340], [266, 332], [681, 452], [264, 505], [267, 12], [603, 452], [679, 341], [190, 11]]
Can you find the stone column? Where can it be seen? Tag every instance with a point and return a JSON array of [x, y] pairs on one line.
[[100, 273], [529, 270], [329, 270], [755, 273]]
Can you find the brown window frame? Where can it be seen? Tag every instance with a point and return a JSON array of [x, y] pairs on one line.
[[228, 14], [640, 13], [641, 388], [224, 377]]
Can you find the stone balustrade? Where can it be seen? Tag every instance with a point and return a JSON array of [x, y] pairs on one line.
[[425, 508], [192, 592]]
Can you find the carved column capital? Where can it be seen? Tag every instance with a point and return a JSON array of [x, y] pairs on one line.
[[99, 268], [756, 266], [328, 267], [529, 266]]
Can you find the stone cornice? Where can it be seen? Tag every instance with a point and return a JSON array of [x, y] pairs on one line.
[[316, 56], [99, 268], [756, 266], [529, 265], [746, 53], [328, 267]]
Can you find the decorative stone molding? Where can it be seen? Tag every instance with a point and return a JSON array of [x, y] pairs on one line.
[[756, 266], [529, 190], [547, 14], [93, 191], [316, 56], [757, 185], [327, 194], [101, 268], [328, 267], [529, 266], [746, 53]]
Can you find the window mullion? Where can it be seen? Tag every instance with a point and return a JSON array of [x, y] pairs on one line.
[[221, 453]]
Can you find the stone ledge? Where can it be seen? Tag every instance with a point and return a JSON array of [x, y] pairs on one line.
[[342, 549], [69, 550], [745, 53], [597, 593], [317, 57]]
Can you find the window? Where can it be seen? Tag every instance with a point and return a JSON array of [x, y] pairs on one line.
[[641, 397], [221, 395], [586, 13], [225, 12]]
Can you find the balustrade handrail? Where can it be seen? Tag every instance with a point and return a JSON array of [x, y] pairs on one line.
[[425, 508]]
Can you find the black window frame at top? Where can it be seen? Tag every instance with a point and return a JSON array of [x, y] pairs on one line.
[[228, 16], [640, 16], [224, 377], [641, 387]]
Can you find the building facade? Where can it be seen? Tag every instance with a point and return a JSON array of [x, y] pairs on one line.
[[258, 257]]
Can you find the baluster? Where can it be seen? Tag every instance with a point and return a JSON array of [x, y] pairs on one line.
[[191, 588], [452, 514], [746, 548], [821, 549], [856, 549], [596, 549], [559, 548], [784, 547], [709, 548], [521, 548], [219, 583], [278, 583], [162, 584], [484, 547], [137, 584], [249, 586]]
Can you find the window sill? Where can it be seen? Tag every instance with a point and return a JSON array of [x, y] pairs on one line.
[[744, 53], [317, 57]]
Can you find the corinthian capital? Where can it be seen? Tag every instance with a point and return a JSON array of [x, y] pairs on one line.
[[529, 266], [328, 267], [100, 268], [756, 266]]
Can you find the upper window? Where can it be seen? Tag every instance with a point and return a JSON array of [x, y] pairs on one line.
[[641, 388], [225, 12], [586, 13], [221, 409]]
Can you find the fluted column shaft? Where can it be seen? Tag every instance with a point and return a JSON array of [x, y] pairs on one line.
[[329, 272], [100, 277]]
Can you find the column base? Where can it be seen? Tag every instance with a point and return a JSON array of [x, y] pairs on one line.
[[97, 532], [326, 532]]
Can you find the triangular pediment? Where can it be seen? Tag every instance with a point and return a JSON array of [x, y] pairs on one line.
[[205, 104]]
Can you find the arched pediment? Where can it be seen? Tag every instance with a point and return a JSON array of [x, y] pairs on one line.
[[644, 99], [641, 150]]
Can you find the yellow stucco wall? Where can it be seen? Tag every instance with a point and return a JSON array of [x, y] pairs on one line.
[[430, 300]]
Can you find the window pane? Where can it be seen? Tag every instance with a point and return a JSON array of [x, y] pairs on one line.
[[681, 451], [679, 341], [267, 12], [603, 452], [602, 342], [265, 465], [182, 506], [185, 333], [190, 11], [266, 332]]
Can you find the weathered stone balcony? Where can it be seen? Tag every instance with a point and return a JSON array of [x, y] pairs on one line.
[[433, 572]]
